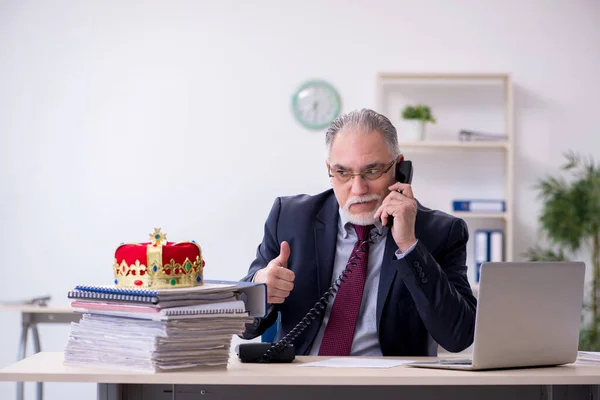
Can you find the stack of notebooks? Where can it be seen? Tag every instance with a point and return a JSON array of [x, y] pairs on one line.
[[158, 330]]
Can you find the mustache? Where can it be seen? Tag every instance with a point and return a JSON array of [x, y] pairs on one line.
[[362, 199]]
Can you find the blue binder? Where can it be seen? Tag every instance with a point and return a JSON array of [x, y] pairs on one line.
[[488, 246], [475, 205]]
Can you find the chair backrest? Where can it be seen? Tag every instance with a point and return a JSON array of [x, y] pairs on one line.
[[271, 333]]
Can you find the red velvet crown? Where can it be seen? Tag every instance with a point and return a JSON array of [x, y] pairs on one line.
[[158, 264]]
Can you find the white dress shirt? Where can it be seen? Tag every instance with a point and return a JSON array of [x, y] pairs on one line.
[[366, 342]]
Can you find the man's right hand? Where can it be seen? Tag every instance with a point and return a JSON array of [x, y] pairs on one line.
[[279, 279]]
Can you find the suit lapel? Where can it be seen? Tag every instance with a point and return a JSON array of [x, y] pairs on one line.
[[387, 274], [326, 227]]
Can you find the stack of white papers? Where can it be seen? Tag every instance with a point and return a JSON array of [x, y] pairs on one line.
[[147, 337], [588, 357]]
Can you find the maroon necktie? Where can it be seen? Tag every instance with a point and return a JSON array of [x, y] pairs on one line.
[[339, 332]]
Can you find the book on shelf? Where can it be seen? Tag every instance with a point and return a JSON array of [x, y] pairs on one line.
[[479, 205], [467, 135], [488, 247]]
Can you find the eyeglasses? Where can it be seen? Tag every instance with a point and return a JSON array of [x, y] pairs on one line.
[[371, 174]]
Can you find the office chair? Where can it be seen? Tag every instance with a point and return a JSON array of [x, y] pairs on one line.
[[271, 333]]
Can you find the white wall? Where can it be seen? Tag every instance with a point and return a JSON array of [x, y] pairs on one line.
[[119, 116]]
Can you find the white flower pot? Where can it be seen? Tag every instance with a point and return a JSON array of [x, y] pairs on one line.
[[415, 130]]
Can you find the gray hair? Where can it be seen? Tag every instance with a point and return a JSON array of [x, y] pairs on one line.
[[366, 121]]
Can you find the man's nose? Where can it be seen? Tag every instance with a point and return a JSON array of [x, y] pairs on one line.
[[359, 186]]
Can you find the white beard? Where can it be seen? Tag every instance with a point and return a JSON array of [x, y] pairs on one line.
[[365, 218]]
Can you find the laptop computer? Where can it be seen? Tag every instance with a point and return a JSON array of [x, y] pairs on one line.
[[528, 315]]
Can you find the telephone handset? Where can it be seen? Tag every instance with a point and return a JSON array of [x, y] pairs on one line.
[[404, 173], [283, 351]]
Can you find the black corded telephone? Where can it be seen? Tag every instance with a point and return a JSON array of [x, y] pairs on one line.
[[283, 351]]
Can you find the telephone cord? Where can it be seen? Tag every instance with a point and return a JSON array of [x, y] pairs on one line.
[[315, 311]]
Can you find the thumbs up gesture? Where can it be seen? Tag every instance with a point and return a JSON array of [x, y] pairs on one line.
[[279, 279]]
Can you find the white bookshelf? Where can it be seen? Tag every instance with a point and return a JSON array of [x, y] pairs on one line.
[[473, 215], [447, 168], [449, 144]]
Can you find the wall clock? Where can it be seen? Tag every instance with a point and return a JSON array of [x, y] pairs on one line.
[[316, 104]]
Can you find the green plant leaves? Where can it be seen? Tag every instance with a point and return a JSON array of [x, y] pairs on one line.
[[570, 219], [571, 212], [420, 112]]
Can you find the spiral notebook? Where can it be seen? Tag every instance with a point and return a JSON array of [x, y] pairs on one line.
[[225, 309], [208, 291], [207, 288], [123, 297], [252, 293]]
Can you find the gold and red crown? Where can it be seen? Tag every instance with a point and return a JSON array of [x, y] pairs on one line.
[[158, 264]]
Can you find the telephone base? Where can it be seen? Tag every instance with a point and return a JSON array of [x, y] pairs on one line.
[[253, 353]]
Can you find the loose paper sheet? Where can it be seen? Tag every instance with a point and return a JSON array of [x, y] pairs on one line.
[[588, 357], [357, 362]]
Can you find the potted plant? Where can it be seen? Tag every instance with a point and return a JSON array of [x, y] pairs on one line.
[[570, 221], [419, 115]]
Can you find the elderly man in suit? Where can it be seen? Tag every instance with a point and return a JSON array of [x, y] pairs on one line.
[[407, 290]]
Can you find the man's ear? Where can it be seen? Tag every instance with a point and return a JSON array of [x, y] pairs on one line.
[[400, 158], [327, 167]]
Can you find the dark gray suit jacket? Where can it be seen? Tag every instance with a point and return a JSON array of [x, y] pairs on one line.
[[423, 299]]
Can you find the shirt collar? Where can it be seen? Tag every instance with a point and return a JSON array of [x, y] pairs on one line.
[[345, 228]]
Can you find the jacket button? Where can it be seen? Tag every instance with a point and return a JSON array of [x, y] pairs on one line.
[[419, 269], [416, 264], [422, 275], [424, 280]]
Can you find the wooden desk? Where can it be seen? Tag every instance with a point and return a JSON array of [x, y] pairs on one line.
[[290, 382], [31, 316]]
